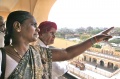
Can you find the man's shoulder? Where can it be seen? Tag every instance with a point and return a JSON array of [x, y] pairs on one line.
[[2, 34]]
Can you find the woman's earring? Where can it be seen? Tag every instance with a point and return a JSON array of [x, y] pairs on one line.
[[18, 30]]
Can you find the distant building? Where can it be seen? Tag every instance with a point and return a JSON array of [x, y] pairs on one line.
[[106, 58]]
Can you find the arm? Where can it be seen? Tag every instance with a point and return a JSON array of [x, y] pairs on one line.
[[75, 50]]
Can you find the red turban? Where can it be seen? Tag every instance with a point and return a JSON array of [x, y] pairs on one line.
[[45, 26]]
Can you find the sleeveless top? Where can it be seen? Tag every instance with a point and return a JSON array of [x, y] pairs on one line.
[[35, 64]]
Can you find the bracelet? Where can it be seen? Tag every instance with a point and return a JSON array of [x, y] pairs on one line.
[[92, 40]]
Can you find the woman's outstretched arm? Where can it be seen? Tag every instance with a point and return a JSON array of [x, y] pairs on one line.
[[75, 50]]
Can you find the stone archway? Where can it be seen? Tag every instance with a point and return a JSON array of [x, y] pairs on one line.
[[110, 65], [84, 58], [101, 63], [116, 67], [94, 60], [90, 59], [38, 8], [42, 9]]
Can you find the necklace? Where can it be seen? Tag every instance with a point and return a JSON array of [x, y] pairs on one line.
[[20, 56]]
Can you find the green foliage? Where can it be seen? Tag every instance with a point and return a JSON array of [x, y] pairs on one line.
[[85, 33], [117, 41], [95, 31], [84, 36], [96, 46], [117, 50], [116, 31]]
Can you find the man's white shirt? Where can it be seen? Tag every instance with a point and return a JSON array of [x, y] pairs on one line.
[[2, 39], [1, 45], [58, 68]]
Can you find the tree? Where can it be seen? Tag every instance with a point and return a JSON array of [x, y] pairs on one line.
[[117, 41], [63, 32], [84, 36], [89, 29], [96, 46], [116, 31], [80, 30], [96, 31]]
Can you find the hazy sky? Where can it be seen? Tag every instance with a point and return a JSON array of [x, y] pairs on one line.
[[84, 13]]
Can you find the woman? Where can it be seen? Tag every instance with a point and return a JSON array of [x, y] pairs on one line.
[[24, 61]]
